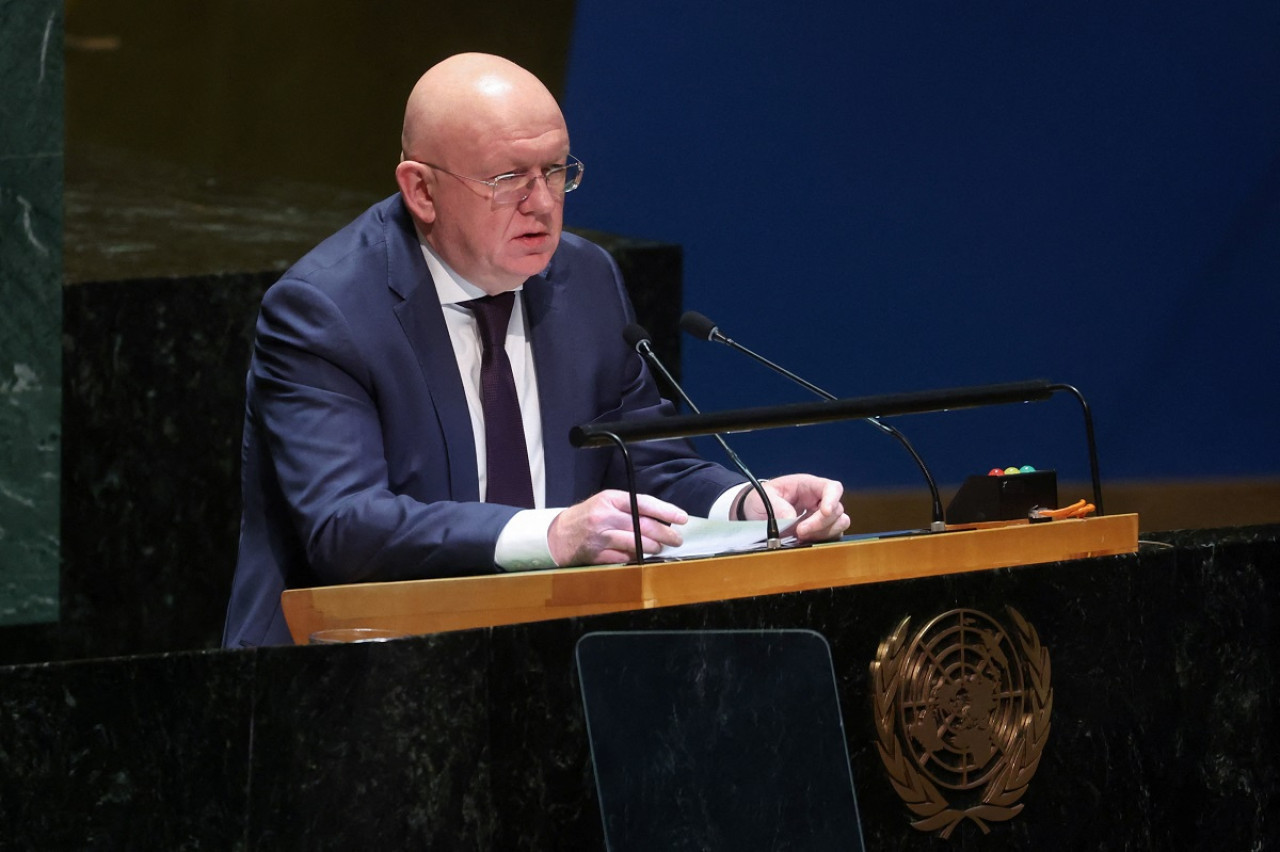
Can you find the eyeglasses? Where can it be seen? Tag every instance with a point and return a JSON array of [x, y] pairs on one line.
[[515, 187]]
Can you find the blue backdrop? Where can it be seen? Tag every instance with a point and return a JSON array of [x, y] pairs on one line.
[[901, 196]]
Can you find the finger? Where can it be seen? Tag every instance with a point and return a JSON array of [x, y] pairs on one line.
[[612, 557], [617, 548], [659, 510], [663, 535], [821, 527], [831, 493], [620, 546], [654, 535], [782, 508]]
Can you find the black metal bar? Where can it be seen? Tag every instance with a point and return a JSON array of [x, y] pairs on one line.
[[631, 492], [808, 413], [1092, 444]]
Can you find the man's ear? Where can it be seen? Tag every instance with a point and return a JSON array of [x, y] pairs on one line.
[[415, 186]]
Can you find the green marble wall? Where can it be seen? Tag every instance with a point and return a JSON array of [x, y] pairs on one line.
[[31, 120]]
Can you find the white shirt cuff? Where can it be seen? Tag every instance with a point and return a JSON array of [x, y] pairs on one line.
[[522, 544], [720, 509]]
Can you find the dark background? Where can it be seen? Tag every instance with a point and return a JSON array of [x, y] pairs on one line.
[[902, 196]]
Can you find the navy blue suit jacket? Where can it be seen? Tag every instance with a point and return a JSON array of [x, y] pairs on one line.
[[358, 455]]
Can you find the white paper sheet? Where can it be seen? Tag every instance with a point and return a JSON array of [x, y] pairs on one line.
[[705, 537]]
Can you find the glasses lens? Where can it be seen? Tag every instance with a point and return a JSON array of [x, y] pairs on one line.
[[572, 175], [512, 189], [555, 179]]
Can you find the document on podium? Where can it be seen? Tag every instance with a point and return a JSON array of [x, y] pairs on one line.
[[705, 537]]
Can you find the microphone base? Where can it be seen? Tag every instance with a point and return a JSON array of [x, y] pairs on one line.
[[938, 526], [773, 544]]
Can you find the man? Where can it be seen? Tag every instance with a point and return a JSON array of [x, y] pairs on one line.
[[368, 451]]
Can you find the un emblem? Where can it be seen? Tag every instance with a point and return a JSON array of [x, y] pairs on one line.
[[962, 716]]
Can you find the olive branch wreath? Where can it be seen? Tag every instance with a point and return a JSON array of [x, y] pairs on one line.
[[1000, 797]]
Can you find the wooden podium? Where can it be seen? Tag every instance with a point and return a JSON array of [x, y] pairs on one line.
[[434, 606]]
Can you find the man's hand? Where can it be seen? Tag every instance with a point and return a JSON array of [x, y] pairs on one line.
[[599, 529], [797, 493]]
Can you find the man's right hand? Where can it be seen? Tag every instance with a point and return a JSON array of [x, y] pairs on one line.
[[599, 529]]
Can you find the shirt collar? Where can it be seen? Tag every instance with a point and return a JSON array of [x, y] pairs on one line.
[[451, 288]]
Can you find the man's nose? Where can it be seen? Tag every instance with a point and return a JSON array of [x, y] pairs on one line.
[[540, 196]]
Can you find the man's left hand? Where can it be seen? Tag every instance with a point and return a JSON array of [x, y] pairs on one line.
[[796, 494]]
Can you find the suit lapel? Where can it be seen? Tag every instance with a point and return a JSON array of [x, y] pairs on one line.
[[422, 320], [549, 328]]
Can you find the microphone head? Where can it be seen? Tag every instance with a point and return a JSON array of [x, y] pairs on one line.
[[698, 325], [636, 336]]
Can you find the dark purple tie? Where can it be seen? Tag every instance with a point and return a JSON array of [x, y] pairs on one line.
[[508, 477]]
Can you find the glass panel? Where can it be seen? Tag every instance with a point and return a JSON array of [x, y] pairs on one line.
[[718, 740]]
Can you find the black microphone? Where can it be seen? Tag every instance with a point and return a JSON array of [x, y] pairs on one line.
[[638, 339], [699, 326]]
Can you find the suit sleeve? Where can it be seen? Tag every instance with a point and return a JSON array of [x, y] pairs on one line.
[[314, 400]]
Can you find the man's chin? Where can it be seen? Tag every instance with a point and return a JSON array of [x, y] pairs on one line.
[[533, 260]]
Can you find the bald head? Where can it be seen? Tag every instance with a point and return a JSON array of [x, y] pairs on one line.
[[471, 95], [469, 119]]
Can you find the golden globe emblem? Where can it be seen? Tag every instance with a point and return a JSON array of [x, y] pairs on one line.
[[962, 713]]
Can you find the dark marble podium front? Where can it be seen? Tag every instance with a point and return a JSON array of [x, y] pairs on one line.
[[1163, 730]]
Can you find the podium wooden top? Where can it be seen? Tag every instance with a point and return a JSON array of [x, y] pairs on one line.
[[434, 606]]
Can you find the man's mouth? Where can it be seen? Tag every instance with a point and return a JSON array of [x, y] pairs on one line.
[[533, 238]]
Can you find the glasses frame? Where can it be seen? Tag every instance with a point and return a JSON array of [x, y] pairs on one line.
[[545, 173]]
